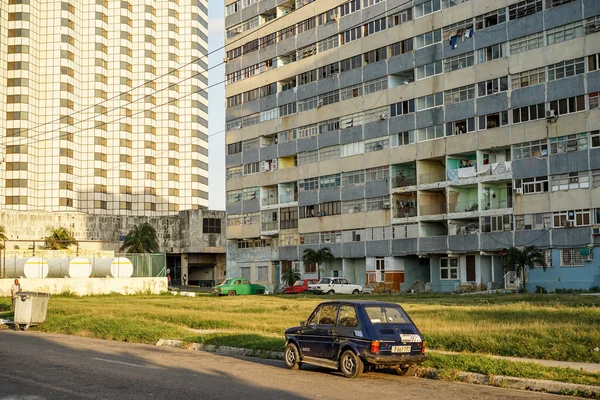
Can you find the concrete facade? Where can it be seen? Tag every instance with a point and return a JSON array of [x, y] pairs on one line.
[[88, 287], [437, 131]]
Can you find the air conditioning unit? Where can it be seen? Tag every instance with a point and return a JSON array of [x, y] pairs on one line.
[[550, 114], [518, 191], [335, 17], [238, 29], [383, 117], [226, 59], [321, 102], [386, 206], [569, 224]]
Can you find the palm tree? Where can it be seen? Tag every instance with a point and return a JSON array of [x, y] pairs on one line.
[[141, 239], [317, 257], [2, 236], [290, 276], [59, 239], [522, 259]]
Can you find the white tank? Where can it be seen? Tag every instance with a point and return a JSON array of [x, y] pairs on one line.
[[78, 267], [118, 267], [33, 267]]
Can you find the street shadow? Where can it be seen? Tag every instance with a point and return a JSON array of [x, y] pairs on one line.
[[49, 367]]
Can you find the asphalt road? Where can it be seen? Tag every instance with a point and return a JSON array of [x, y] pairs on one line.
[[37, 366]]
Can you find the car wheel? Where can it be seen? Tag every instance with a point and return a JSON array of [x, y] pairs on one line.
[[260, 292], [406, 370], [351, 365], [292, 357], [231, 293], [355, 291], [331, 292]]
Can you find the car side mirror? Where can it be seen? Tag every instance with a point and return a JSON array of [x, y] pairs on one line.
[[302, 323]]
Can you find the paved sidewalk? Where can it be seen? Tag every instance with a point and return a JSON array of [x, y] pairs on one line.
[[588, 367]]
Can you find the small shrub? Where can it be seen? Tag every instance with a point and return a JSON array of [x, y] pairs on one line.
[[595, 289], [541, 290]]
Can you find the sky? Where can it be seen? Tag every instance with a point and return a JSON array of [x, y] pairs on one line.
[[216, 106]]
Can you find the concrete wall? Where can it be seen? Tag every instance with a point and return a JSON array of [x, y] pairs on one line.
[[86, 287], [559, 277]]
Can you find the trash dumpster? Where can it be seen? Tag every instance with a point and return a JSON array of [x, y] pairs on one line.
[[30, 308]]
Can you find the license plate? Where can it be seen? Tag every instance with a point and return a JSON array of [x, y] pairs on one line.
[[400, 349]]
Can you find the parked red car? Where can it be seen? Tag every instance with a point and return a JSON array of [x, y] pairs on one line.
[[300, 286]]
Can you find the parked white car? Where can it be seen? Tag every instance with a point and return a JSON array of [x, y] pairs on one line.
[[334, 286]]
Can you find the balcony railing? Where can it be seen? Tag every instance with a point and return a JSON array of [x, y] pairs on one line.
[[270, 226], [433, 209], [289, 224], [463, 206], [269, 201], [288, 198], [405, 212], [432, 177], [403, 181], [494, 204]]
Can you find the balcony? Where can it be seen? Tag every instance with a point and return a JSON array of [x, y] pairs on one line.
[[463, 199], [463, 227], [432, 177], [269, 196], [404, 175], [463, 206], [496, 196], [269, 221], [431, 171], [432, 209], [288, 193], [405, 205]]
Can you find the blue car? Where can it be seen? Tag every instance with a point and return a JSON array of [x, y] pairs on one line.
[[354, 336]]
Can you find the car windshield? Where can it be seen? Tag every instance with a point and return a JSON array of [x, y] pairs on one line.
[[299, 283], [387, 315], [227, 282], [325, 280]]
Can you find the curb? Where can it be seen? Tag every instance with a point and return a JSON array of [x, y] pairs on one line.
[[508, 382]]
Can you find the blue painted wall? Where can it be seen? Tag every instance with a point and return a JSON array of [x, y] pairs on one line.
[[559, 277]]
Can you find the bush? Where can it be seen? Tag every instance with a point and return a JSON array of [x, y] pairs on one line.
[[595, 289], [570, 291], [541, 290]]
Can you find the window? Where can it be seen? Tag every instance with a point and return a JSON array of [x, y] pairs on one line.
[[329, 43], [289, 218], [306, 25], [377, 174], [351, 35], [596, 183], [211, 225], [592, 25], [378, 203], [492, 86], [403, 138], [330, 181], [308, 104], [528, 78], [308, 131], [526, 43], [459, 94], [564, 32], [563, 219], [593, 99], [496, 223], [351, 92], [428, 38], [490, 53], [428, 7], [427, 70], [532, 185], [556, 3], [524, 8], [449, 268], [431, 132], [287, 109], [349, 7], [252, 168], [595, 140], [532, 221], [234, 148], [375, 85], [330, 208], [402, 47], [568, 106], [376, 145], [404, 107], [537, 148], [308, 184], [566, 69], [374, 26], [376, 55], [329, 70], [529, 113], [329, 98], [461, 126], [353, 177], [353, 148], [354, 206], [458, 62], [308, 157], [493, 120], [351, 63], [430, 101], [490, 19], [329, 153], [571, 258], [573, 180]]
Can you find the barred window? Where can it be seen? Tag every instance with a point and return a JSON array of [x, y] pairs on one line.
[[457, 95], [526, 43], [536, 148], [377, 174], [571, 258], [565, 69], [528, 78], [460, 61], [377, 144], [565, 32], [353, 177], [529, 113]]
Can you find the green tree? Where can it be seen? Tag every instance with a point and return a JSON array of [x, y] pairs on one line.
[[141, 239], [2, 236], [317, 257], [521, 259], [290, 276], [59, 239]]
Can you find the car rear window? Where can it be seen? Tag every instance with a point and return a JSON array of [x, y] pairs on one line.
[[386, 315]]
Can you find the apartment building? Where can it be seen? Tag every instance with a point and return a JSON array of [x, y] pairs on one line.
[[417, 140], [102, 108]]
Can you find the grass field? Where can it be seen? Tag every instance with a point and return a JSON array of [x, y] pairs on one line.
[[555, 327]]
